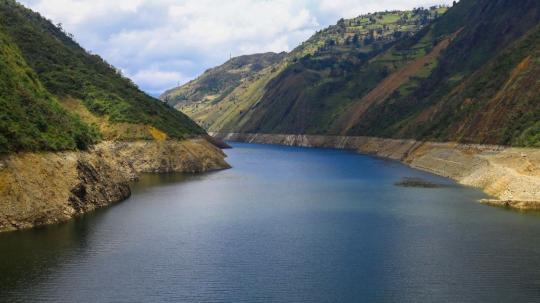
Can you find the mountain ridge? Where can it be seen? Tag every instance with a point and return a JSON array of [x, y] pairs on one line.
[[323, 63], [60, 70], [434, 84]]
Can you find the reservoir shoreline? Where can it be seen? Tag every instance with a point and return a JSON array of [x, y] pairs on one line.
[[46, 188], [510, 175], [285, 224]]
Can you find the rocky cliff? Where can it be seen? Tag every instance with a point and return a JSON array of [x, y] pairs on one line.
[[510, 175], [44, 188]]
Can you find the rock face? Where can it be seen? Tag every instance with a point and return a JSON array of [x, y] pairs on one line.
[[510, 175], [45, 188]]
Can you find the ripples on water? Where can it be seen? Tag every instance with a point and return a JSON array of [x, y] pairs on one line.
[[284, 225]]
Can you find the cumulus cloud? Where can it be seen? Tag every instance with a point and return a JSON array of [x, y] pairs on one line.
[[160, 43]]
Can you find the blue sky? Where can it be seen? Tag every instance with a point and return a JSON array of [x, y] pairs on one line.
[[161, 43]]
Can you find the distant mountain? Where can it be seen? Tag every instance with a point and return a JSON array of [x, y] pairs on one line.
[[55, 96], [470, 75], [218, 82]]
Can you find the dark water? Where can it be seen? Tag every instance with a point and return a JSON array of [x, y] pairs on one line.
[[285, 225]]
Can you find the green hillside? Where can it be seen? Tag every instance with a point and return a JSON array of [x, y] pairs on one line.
[[470, 75], [499, 103], [60, 69], [30, 117], [483, 88], [309, 77]]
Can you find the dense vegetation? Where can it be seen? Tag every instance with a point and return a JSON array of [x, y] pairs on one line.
[[65, 70], [477, 91], [470, 75], [31, 119]]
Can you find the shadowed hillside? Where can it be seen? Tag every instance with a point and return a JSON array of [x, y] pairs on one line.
[[484, 87]]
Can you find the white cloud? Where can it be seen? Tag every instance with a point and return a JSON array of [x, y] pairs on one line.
[[76, 11], [155, 79], [160, 43]]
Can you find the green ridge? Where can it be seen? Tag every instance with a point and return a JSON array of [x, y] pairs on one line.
[[66, 70]]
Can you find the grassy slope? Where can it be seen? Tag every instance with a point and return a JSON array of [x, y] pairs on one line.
[[460, 98], [312, 85], [68, 71], [31, 118], [216, 83]]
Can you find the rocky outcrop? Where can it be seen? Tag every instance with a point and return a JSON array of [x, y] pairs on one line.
[[510, 175], [44, 188]]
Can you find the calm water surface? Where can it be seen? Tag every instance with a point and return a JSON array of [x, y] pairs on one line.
[[284, 225]]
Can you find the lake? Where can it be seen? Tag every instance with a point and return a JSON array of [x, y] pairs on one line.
[[285, 224]]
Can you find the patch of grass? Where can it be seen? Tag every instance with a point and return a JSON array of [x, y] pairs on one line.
[[529, 137]]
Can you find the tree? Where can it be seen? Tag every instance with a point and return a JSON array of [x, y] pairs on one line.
[[368, 40], [355, 39]]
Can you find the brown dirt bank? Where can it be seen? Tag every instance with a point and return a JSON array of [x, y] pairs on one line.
[[511, 175], [45, 188]]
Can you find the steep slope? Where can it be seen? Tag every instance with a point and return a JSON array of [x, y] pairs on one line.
[[470, 75], [311, 84], [30, 117], [216, 83], [483, 88], [498, 104], [69, 72], [397, 88]]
